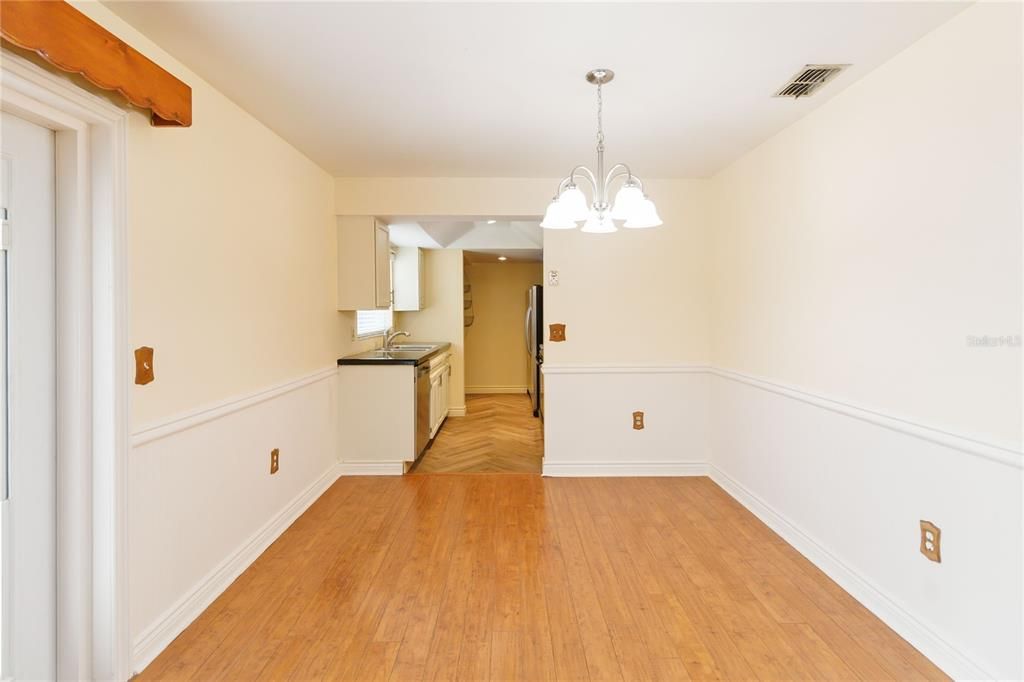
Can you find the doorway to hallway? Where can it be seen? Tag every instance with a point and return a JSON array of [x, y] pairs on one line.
[[499, 434]]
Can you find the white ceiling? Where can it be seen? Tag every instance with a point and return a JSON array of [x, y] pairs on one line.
[[497, 89], [480, 235]]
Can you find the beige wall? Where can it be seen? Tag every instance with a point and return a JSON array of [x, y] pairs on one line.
[[441, 320], [856, 251], [231, 269], [232, 244], [635, 296], [496, 355], [853, 255]]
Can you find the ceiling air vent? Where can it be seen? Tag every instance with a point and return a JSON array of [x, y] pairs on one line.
[[809, 79]]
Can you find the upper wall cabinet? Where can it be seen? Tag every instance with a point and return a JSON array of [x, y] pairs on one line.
[[409, 273], [364, 263]]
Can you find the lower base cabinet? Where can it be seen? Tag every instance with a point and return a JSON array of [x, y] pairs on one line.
[[440, 376]]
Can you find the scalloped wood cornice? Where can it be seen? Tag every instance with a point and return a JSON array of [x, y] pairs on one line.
[[73, 42]]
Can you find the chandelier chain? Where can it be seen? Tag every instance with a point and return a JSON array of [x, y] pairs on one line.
[[600, 122]]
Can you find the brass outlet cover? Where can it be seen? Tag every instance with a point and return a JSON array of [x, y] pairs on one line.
[[638, 420], [557, 332], [931, 537], [143, 365], [274, 463]]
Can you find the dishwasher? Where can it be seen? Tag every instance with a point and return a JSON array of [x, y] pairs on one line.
[[422, 408]]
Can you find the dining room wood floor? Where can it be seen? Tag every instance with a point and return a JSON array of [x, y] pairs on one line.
[[502, 577]]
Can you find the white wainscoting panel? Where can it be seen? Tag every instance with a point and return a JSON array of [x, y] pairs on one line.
[[203, 505], [588, 426], [848, 487]]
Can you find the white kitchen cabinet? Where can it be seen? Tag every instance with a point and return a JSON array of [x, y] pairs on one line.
[[410, 279], [377, 418], [364, 263], [440, 376]]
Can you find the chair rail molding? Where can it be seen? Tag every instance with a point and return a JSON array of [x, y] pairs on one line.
[[187, 420], [1004, 453]]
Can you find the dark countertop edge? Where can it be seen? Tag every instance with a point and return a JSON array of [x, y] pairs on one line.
[[354, 360]]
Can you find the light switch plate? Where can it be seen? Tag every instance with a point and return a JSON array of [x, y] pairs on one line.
[[275, 460], [557, 332], [143, 365], [552, 278]]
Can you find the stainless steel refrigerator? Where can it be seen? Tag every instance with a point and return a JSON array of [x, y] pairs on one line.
[[534, 334]]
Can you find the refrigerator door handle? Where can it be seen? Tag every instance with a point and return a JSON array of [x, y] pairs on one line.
[[526, 332]]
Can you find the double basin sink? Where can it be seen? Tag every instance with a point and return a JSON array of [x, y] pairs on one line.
[[397, 354]]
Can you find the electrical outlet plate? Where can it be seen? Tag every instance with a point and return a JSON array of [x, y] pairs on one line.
[[552, 278], [931, 536], [638, 420], [275, 455]]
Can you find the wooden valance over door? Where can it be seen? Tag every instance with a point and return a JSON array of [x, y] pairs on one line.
[[73, 42]]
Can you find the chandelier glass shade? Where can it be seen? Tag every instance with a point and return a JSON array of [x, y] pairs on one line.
[[631, 206]]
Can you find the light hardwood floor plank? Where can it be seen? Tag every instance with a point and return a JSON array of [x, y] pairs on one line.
[[517, 577]]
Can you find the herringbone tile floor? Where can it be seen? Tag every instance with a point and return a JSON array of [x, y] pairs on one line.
[[499, 434]]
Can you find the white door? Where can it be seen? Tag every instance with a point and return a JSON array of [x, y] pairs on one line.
[[27, 403]]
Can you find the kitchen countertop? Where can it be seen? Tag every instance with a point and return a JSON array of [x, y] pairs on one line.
[[397, 356]]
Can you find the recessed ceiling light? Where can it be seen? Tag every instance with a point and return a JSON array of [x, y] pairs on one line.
[[491, 222], [502, 258]]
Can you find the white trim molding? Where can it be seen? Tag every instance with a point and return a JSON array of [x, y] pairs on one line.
[[1004, 453], [470, 390], [572, 368], [457, 411], [92, 348], [358, 468], [201, 415], [157, 636], [938, 650], [997, 452], [609, 469]]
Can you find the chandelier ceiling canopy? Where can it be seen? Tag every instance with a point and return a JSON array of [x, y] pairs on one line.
[[569, 206]]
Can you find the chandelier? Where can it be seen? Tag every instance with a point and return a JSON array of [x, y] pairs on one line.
[[569, 205]]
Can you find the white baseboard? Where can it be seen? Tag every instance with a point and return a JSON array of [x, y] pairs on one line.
[[934, 647], [157, 636], [591, 469], [495, 389], [371, 468], [457, 411]]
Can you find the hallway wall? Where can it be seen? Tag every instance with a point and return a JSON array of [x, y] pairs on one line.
[[496, 358]]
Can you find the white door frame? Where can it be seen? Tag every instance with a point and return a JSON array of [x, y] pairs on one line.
[[93, 362]]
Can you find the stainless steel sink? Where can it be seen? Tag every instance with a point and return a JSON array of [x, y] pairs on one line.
[[417, 347], [396, 354]]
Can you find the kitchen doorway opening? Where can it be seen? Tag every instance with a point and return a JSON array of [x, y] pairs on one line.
[[481, 290]]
